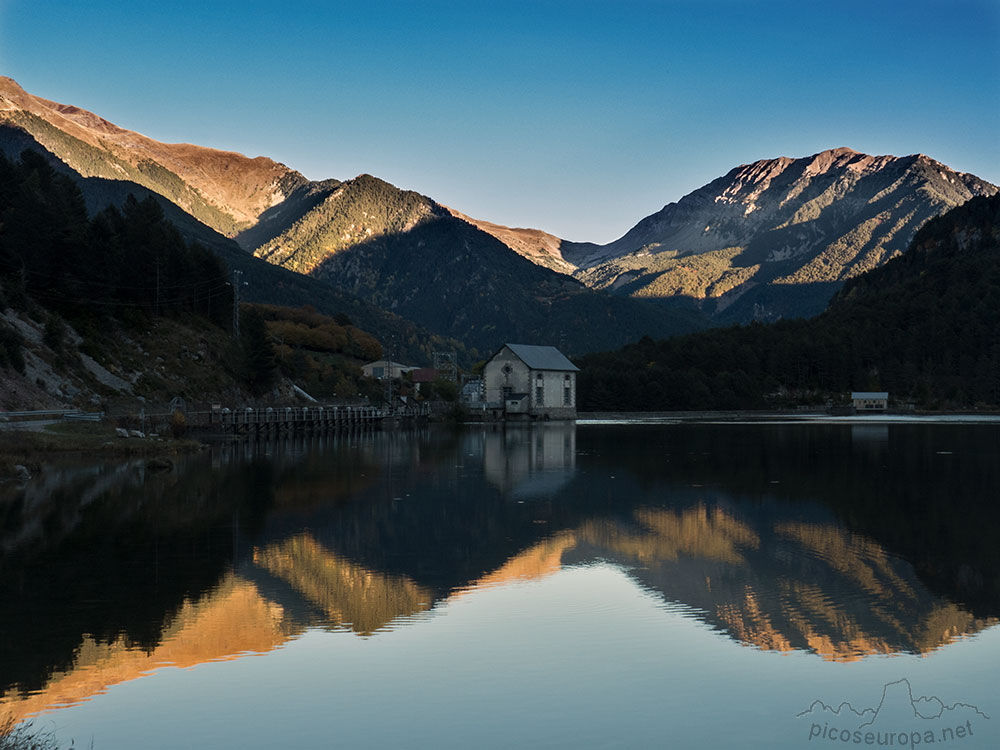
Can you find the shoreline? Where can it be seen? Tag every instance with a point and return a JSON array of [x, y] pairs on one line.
[[787, 416], [30, 448]]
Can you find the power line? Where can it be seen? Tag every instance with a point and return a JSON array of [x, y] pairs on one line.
[[220, 292], [237, 280], [108, 285]]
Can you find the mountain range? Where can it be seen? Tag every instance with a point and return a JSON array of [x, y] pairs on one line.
[[776, 238], [923, 327], [396, 251], [99, 157], [768, 240], [771, 239]]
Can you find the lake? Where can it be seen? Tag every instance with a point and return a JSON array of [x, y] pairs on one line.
[[704, 584]]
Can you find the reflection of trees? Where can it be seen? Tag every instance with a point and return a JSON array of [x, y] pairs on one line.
[[661, 535], [782, 585], [120, 563], [397, 522], [230, 621], [924, 492], [347, 594]]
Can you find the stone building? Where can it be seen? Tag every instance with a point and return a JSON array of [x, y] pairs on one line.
[[537, 382]]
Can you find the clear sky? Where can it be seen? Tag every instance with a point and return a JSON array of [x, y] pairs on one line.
[[575, 117]]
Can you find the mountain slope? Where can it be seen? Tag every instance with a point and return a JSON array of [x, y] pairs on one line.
[[777, 237], [265, 283], [537, 246], [404, 252], [362, 239], [353, 213], [925, 327], [224, 189], [769, 240]]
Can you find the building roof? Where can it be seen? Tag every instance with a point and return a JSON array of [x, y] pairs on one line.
[[869, 394], [542, 357], [424, 375], [388, 363]]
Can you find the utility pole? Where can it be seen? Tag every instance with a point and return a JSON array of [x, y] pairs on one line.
[[237, 283], [388, 379], [446, 363]]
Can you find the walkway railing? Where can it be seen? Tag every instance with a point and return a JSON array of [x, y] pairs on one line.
[[301, 417], [71, 414]]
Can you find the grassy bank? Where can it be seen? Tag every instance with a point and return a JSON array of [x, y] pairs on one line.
[[26, 736], [29, 448]]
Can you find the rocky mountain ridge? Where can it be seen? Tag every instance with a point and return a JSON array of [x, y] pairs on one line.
[[363, 239], [777, 237], [771, 239], [231, 190], [409, 254], [536, 245], [923, 328]]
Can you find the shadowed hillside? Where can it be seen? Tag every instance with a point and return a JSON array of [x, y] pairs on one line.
[[776, 238], [405, 253], [925, 328], [305, 227]]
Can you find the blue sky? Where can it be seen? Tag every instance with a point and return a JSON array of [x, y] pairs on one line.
[[576, 117]]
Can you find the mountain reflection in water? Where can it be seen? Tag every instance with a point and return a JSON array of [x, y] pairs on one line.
[[820, 538]]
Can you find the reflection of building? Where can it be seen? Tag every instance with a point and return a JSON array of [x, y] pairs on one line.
[[531, 462], [384, 368], [535, 381], [870, 400], [870, 436]]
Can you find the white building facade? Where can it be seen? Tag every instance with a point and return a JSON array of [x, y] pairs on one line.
[[534, 381], [383, 368], [870, 400]]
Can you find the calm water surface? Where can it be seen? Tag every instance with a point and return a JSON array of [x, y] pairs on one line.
[[596, 586]]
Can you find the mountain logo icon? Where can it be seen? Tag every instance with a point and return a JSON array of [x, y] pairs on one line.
[[899, 719], [924, 707]]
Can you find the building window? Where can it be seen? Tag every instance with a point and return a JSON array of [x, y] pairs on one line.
[[539, 395], [567, 396], [378, 372], [507, 392]]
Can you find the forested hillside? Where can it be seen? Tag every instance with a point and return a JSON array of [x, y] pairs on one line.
[[120, 304], [925, 327], [403, 252], [125, 264], [361, 247], [266, 283]]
